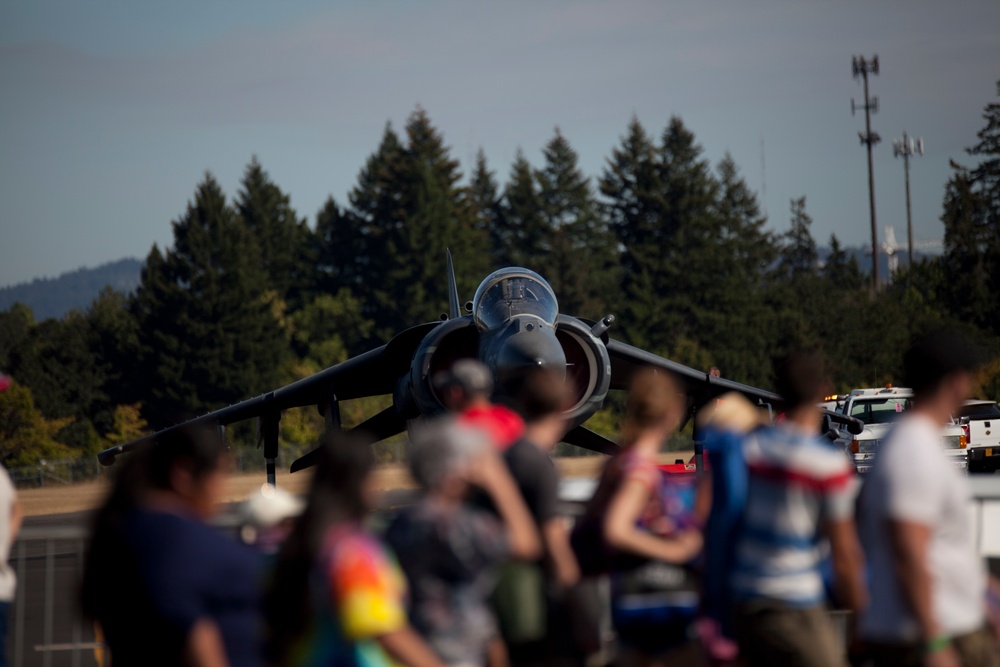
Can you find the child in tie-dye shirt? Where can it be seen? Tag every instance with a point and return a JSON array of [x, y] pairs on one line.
[[338, 597], [358, 592]]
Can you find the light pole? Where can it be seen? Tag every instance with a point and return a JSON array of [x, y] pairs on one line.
[[863, 67], [906, 147]]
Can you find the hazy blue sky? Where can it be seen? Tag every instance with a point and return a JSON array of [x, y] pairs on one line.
[[111, 111]]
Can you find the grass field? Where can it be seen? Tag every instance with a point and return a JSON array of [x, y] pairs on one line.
[[87, 496]]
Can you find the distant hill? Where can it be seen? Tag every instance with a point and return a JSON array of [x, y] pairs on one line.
[[54, 297]]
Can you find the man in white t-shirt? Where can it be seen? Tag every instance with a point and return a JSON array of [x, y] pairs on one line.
[[10, 524], [927, 580]]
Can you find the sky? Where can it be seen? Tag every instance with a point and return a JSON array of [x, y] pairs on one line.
[[112, 111]]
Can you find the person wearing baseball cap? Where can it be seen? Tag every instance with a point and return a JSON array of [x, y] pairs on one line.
[[465, 390]]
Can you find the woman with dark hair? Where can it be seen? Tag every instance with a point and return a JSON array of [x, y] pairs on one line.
[[165, 586], [337, 596]]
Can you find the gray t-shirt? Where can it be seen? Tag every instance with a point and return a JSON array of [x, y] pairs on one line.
[[912, 480], [8, 496], [452, 558]]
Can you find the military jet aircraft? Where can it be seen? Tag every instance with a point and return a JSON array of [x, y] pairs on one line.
[[513, 323]]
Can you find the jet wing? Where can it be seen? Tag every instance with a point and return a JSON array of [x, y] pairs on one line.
[[373, 373], [700, 386]]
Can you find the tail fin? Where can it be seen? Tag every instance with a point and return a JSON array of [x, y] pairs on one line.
[[454, 310]]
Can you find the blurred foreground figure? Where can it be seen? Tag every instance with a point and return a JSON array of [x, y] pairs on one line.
[[166, 587], [11, 515], [337, 596], [798, 492], [465, 390], [532, 598], [641, 529], [451, 552], [724, 425], [928, 583]]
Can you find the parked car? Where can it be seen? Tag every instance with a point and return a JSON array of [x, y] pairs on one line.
[[879, 408], [981, 421]]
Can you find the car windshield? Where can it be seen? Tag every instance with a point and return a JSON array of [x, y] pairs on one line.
[[880, 410], [979, 411]]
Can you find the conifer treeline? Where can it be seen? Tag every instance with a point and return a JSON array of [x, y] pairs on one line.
[[250, 296]]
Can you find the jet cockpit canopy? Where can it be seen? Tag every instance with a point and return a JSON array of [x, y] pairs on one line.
[[513, 291]]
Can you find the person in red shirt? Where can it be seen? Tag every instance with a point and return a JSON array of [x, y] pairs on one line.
[[465, 390]]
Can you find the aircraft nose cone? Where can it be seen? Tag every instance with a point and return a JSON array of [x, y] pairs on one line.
[[536, 347]]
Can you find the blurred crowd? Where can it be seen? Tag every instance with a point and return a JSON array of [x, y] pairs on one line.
[[746, 562]]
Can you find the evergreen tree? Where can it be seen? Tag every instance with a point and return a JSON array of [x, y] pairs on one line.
[[470, 240], [409, 210], [114, 340], [487, 214], [59, 365], [797, 294], [972, 228], [325, 330], [842, 270], [583, 257], [15, 326], [283, 239], [689, 189], [208, 335], [967, 266], [633, 192], [687, 234], [799, 255], [921, 287], [633, 206], [365, 245], [437, 218], [695, 253], [987, 173], [341, 250], [735, 322], [524, 238], [77, 366]]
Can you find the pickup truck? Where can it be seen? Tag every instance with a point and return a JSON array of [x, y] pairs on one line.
[[981, 421], [879, 408]]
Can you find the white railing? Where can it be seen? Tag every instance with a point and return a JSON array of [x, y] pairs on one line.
[[986, 513]]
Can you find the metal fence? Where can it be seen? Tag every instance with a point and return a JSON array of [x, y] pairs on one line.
[[60, 472], [46, 628], [245, 458]]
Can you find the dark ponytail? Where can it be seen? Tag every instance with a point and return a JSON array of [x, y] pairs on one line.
[[336, 496]]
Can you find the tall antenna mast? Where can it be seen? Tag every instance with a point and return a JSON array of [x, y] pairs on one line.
[[763, 176], [862, 68], [906, 148]]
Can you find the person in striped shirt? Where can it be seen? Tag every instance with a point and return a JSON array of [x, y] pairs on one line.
[[798, 496]]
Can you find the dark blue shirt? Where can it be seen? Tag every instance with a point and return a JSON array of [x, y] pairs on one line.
[[177, 571]]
